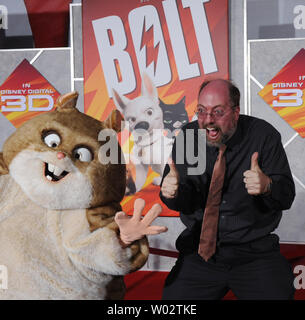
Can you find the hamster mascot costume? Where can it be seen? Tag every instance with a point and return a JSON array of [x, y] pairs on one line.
[[62, 232]]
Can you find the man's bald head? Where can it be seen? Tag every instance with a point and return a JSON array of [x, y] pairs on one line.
[[221, 84]]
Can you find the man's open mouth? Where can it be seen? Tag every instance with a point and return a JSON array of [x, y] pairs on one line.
[[53, 173], [213, 133]]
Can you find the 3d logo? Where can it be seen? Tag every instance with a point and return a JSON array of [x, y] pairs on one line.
[[286, 91], [25, 93]]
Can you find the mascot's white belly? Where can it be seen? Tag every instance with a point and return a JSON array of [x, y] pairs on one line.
[[51, 254]]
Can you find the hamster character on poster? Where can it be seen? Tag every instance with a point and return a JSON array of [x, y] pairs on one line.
[[147, 58]]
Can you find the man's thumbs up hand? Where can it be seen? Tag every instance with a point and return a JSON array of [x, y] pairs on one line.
[[171, 182], [256, 182], [173, 171], [254, 163]]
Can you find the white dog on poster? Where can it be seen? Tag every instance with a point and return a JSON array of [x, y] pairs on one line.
[[145, 121]]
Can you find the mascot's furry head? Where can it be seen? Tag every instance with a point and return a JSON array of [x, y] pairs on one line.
[[54, 159]]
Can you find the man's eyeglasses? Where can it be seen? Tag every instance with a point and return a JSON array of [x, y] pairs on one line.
[[216, 114]]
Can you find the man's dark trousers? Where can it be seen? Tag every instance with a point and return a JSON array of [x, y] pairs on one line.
[[253, 271]]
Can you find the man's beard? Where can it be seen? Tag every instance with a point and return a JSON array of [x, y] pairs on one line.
[[224, 137]]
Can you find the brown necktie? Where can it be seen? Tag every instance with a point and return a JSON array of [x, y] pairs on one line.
[[207, 243]]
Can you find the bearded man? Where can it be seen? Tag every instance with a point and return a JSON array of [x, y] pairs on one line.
[[231, 210]]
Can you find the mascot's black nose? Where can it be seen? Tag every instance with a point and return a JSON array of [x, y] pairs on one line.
[[142, 125]]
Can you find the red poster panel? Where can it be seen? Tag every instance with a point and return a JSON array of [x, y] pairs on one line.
[[147, 58]]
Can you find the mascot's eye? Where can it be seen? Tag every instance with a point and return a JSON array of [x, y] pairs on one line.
[[83, 154], [149, 112], [52, 140]]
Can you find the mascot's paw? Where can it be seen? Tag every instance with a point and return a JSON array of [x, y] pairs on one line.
[[139, 249], [140, 252]]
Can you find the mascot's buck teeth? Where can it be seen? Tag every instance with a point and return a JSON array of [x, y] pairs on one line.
[[54, 173]]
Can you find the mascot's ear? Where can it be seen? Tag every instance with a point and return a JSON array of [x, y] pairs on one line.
[[3, 167], [114, 121], [67, 101]]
